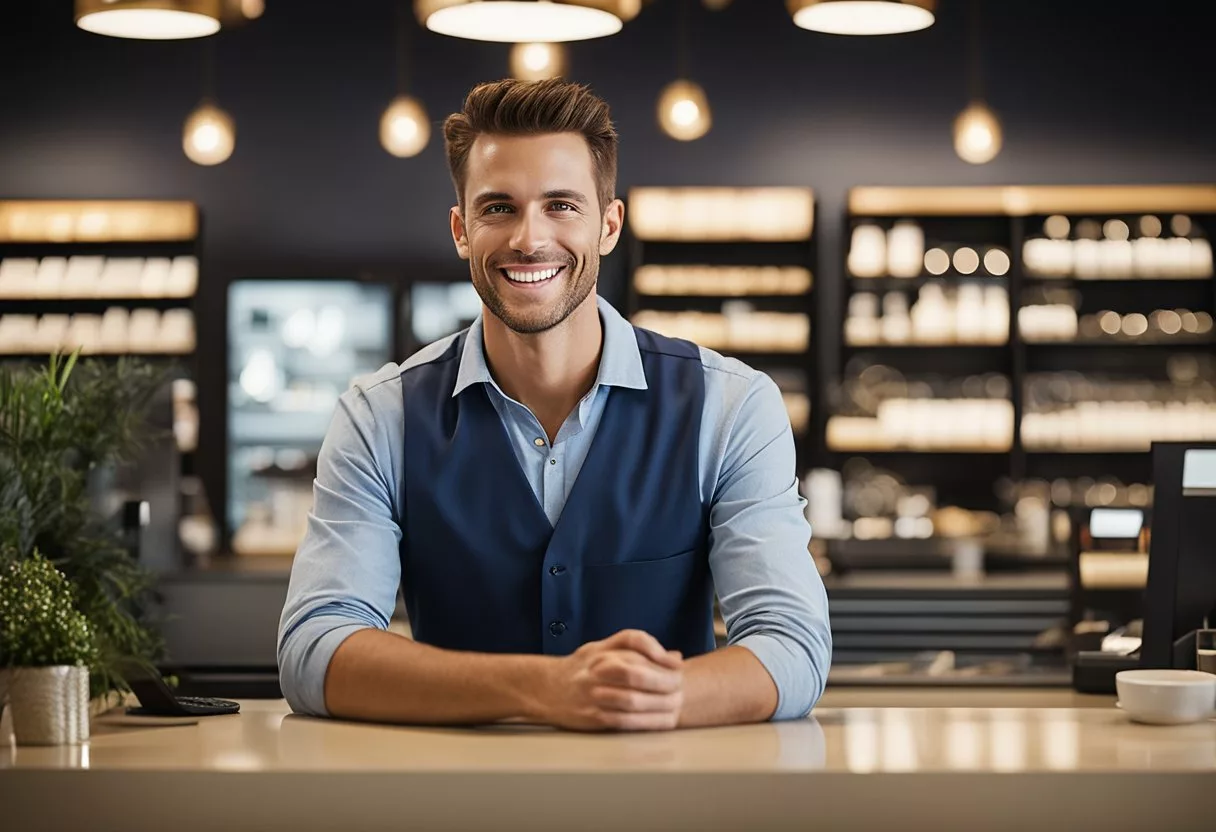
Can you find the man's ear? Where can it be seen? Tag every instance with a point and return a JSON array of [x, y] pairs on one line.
[[611, 227], [459, 232]]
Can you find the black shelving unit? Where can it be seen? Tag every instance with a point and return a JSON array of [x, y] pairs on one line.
[[1008, 217], [645, 250]]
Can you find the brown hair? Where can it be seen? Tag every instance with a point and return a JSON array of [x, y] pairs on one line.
[[530, 108]]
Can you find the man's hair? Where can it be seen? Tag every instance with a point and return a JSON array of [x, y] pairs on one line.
[[533, 108]]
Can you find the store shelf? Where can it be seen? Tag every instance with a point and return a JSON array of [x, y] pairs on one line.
[[1171, 346], [1133, 282], [1017, 201], [658, 238], [95, 305], [895, 284]]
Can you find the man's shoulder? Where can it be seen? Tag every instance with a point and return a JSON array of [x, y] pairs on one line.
[[727, 372], [387, 380]]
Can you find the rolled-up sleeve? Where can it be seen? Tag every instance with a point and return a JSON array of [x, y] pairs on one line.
[[347, 569], [771, 595]]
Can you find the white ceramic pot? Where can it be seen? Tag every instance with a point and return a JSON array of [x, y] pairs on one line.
[[50, 705], [1166, 697]]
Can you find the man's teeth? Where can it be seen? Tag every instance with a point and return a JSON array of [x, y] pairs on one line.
[[531, 277]]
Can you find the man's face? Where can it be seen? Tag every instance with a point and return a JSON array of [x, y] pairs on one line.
[[532, 228]]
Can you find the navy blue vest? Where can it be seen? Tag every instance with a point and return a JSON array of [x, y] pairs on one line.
[[482, 568]]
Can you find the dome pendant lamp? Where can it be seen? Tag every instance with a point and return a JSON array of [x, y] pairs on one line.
[[862, 17], [150, 19], [526, 21]]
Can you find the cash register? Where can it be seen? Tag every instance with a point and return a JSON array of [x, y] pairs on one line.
[[1159, 587]]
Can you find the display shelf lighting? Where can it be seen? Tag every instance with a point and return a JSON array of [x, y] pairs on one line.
[[862, 17], [526, 21], [150, 19]]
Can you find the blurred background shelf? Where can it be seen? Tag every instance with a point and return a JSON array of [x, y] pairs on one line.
[[665, 246]]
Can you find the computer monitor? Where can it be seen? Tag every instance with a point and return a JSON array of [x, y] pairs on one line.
[[1181, 588]]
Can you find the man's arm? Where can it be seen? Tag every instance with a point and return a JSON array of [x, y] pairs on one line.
[[770, 594], [336, 659]]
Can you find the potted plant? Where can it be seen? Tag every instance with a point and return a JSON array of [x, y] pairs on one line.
[[63, 426], [46, 647]]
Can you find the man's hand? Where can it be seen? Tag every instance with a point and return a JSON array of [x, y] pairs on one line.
[[627, 682]]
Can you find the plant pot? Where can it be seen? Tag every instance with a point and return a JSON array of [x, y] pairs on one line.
[[50, 705]]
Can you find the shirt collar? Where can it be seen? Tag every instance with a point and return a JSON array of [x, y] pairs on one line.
[[620, 360]]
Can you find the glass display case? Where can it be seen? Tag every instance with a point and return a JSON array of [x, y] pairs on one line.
[[293, 347]]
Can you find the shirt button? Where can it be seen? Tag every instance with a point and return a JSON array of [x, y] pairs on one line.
[[557, 628], [556, 570], [553, 461], [538, 442]]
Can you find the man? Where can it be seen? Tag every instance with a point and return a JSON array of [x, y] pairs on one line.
[[557, 494]]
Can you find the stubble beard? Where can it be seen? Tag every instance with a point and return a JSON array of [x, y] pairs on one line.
[[577, 286]]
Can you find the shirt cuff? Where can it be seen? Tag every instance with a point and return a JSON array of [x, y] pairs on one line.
[[306, 658], [797, 689]]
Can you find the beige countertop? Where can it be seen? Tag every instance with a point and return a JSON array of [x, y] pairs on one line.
[[1044, 759]]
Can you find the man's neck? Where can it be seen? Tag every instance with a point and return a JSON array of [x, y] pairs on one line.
[[550, 371]]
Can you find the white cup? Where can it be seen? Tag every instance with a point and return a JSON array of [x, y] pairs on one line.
[[1166, 697]]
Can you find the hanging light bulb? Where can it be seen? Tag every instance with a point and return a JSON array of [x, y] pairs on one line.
[[862, 17], [149, 19], [538, 61], [684, 111], [209, 135], [404, 128], [977, 134], [526, 21]]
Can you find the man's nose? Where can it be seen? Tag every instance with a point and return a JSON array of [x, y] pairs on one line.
[[529, 233]]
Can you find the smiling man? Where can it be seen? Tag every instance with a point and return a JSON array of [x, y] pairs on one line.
[[558, 494]]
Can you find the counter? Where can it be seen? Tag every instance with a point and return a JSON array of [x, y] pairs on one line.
[[1039, 760]]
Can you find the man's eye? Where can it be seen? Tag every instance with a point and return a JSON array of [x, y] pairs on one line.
[[562, 206], [498, 209]]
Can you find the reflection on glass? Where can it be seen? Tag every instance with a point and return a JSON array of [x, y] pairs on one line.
[[437, 310], [294, 347]]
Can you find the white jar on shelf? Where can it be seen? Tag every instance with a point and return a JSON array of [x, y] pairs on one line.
[[867, 251], [861, 325], [49, 281], [905, 249], [896, 326]]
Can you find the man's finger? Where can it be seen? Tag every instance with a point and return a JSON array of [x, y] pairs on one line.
[[635, 701], [646, 644], [638, 673]]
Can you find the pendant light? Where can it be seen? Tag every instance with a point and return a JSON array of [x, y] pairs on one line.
[[683, 108], [149, 19], [977, 131], [862, 17], [538, 61], [404, 127], [209, 134], [526, 21]]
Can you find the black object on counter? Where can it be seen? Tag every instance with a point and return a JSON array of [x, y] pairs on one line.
[[157, 699]]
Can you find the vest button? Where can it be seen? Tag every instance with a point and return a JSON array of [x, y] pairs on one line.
[[556, 570], [557, 628]]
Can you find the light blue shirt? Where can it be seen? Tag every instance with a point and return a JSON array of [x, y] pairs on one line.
[[347, 570]]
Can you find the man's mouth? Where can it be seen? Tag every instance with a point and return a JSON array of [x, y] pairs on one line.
[[530, 274]]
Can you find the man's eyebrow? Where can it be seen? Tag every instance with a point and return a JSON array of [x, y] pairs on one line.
[[572, 196], [492, 196]]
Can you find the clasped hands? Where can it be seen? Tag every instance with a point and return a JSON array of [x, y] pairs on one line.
[[626, 682]]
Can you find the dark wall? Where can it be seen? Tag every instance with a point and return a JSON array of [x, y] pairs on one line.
[[1090, 91]]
